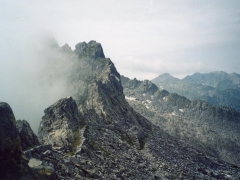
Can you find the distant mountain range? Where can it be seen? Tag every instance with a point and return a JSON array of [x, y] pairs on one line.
[[218, 88], [210, 128]]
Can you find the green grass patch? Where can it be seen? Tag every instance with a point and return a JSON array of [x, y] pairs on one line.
[[96, 146], [75, 143]]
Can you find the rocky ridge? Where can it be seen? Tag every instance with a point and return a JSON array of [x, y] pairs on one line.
[[213, 78], [213, 129], [119, 143], [113, 140], [218, 88]]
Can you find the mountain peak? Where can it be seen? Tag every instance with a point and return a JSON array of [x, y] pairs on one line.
[[66, 48], [164, 76], [92, 49]]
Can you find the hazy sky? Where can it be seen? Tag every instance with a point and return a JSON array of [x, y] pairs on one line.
[[143, 38]]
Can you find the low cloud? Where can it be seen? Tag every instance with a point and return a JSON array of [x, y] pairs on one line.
[[34, 78], [147, 68]]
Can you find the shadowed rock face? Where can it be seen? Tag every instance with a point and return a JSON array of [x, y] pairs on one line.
[[60, 122], [28, 138], [12, 165]]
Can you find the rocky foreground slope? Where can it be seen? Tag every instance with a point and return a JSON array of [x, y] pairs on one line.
[[213, 129], [100, 136]]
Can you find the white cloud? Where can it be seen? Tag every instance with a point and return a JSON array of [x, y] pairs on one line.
[[149, 68]]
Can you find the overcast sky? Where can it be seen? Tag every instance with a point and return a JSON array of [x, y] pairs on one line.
[[143, 38]]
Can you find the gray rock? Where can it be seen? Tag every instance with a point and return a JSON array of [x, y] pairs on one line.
[[37, 151], [90, 50], [60, 126], [44, 173], [28, 138], [34, 162]]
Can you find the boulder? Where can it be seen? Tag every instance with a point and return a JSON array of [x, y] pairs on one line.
[[43, 172], [28, 138]]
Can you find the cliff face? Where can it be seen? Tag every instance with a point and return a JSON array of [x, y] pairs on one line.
[[102, 92]]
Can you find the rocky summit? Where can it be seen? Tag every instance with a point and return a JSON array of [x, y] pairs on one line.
[[95, 134]]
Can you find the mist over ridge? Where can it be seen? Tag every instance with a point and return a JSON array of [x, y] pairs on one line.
[[42, 77], [119, 89], [37, 77]]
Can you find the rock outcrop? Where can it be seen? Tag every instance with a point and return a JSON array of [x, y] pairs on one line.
[[89, 50], [16, 164], [60, 126], [28, 138], [40, 168], [12, 164]]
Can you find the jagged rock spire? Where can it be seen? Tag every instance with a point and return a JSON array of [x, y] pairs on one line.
[[60, 122], [92, 49]]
